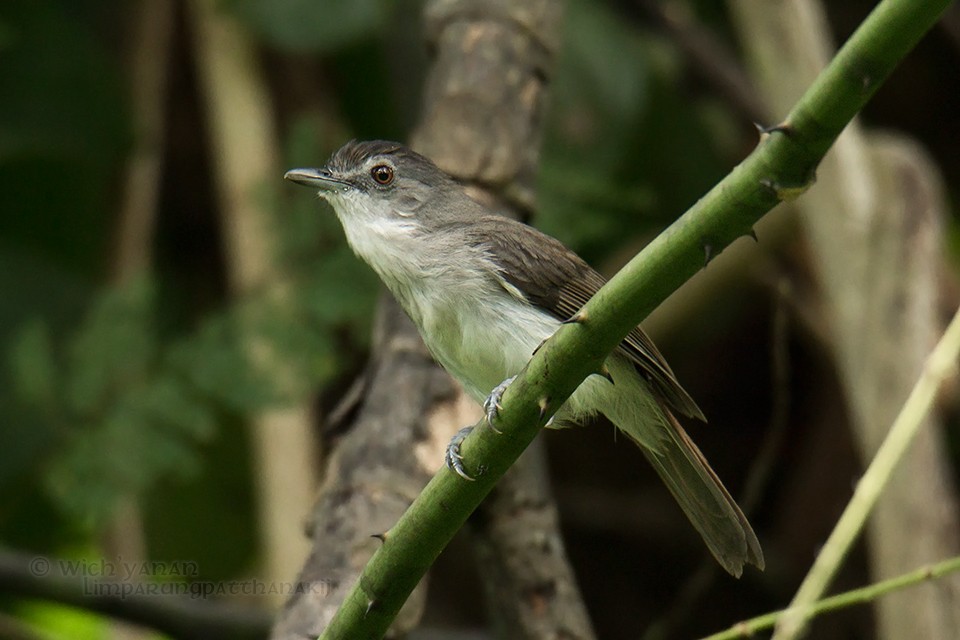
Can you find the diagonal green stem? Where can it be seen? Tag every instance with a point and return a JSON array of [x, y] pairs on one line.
[[781, 167], [940, 363]]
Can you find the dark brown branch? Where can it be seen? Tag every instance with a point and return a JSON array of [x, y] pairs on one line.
[[22, 575], [529, 585]]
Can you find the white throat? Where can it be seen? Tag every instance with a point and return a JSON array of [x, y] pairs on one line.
[[470, 320]]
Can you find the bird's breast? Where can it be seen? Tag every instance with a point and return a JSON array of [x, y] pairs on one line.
[[478, 330]]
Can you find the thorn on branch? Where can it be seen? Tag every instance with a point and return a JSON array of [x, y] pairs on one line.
[[539, 346], [784, 127], [788, 192], [543, 403], [708, 254]]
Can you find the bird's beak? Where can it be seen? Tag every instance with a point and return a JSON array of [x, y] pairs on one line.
[[317, 178]]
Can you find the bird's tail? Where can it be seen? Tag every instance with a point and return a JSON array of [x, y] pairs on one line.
[[701, 495]]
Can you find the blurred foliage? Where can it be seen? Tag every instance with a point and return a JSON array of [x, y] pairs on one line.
[[59, 152], [307, 25], [624, 152], [98, 401], [126, 410], [61, 621]]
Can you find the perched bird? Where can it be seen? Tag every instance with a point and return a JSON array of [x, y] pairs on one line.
[[485, 291]]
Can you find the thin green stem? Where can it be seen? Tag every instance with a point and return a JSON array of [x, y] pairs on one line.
[[863, 595], [940, 363], [781, 167]]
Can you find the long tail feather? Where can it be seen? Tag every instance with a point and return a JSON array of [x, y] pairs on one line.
[[704, 499], [641, 413]]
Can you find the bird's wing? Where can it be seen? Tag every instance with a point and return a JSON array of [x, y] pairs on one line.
[[557, 280]]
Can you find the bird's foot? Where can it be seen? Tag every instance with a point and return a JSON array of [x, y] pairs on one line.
[[491, 410], [453, 457], [491, 406]]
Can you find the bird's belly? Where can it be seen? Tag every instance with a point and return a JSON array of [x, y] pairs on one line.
[[482, 344]]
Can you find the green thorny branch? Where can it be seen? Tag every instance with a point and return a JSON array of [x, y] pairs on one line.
[[780, 168]]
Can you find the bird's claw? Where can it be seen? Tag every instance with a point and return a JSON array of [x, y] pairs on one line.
[[453, 456], [491, 409], [491, 406]]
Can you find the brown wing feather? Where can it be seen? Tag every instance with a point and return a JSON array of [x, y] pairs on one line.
[[557, 280]]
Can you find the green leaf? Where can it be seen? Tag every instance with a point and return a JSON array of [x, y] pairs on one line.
[[148, 433], [114, 347], [215, 363]]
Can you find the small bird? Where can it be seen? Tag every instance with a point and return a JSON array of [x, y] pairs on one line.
[[485, 291]]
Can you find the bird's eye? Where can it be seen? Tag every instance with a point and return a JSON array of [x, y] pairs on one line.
[[382, 174]]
